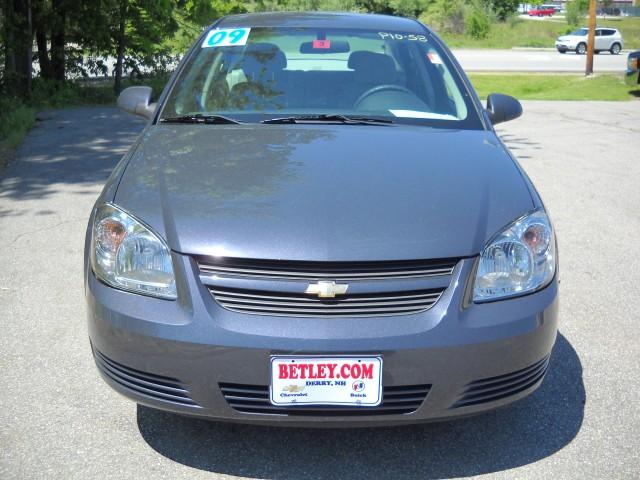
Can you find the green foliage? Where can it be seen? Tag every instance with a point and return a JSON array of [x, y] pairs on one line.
[[575, 11], [16, 119], [408, 8], [447, 16], [375, 6], [204, 12], [504, 8], [317, 5], [478, 24]]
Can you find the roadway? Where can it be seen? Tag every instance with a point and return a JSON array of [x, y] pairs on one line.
[[536, 60]]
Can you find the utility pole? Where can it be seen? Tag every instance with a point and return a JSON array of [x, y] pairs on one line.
[[591, 38]]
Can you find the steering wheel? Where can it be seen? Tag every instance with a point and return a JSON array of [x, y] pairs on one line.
[[381, 88]]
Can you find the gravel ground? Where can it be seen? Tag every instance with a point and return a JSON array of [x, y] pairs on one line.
[[59, 420]]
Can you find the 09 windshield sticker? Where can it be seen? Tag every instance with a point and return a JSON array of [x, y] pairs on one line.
[[226, 37], [403, 37]]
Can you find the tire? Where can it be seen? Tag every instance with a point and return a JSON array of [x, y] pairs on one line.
[[581, 48], [597, 52], [615, 49], [562, 51]]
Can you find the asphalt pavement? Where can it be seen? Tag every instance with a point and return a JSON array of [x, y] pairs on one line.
[[59, 420], [537, 60]]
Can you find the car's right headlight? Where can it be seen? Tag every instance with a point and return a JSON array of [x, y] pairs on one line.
[[519, 260], [126, 254]]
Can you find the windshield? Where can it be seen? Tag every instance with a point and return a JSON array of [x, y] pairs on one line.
[[255, 74], [581, 32]]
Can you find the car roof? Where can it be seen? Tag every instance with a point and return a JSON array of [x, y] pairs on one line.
[[322, 20]]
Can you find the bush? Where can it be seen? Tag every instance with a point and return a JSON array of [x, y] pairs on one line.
[[16, 119], [51, 94], [477, 24], [446, 16], [576, 10], [504, 8]]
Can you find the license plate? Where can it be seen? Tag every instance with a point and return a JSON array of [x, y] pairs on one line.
[[298, 380]]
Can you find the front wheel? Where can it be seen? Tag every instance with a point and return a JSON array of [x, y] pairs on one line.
[[615, 49], [581, 49]]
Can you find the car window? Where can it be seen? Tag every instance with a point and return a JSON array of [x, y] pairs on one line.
[[581, 32], [270, 72]]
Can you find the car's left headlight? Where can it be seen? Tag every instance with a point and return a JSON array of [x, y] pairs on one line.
[[128, 255], [518, 260]]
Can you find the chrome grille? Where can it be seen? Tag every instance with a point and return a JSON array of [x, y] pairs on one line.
[[396, 400], [302, 305], [325, 270]]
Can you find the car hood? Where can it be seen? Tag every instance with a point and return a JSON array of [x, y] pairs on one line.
[[323, 192]]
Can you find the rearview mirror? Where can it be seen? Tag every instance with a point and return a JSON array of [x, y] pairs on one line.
[[325, 46], [137, 100], [502, 108]]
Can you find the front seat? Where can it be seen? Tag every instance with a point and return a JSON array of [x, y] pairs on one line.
[[263, 65], [370, 70]]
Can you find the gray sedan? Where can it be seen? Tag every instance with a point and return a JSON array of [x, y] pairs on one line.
[[319, 226]]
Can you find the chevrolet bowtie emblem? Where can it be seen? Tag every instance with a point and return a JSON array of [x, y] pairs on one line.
[[327, 289], [293, 388]]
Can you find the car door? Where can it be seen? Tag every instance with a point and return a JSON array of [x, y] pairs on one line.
[[600, 43], [610, 37], [607, 38]]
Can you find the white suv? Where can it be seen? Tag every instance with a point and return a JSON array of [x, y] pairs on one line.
[[606, 39]]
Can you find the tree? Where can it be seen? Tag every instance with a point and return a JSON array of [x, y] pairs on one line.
[[122, 28], [40, 14], [375, 6], [576, 9], [409, 8], [17, 43], [504, 8], [448, 15]]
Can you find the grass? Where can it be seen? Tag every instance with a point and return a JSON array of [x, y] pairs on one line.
[[15, 121], [554, 87], [518, 32]]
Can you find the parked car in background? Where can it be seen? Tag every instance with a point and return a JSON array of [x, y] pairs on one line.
[[607, 39], [632, 75], [542, 11]]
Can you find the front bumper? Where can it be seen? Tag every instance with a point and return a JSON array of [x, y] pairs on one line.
[[180, 355], [565, 46]]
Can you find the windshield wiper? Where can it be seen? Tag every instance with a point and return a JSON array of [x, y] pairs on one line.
[[344, 119], [202, 118]]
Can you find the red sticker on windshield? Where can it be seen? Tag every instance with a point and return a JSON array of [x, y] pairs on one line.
[[322, 44]]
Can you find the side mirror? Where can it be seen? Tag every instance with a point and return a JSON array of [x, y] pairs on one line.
[[502, 108], [137, 100]]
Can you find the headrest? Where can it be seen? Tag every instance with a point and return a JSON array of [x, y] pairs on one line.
[[361, 59], [267, 54], [372, 67]]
